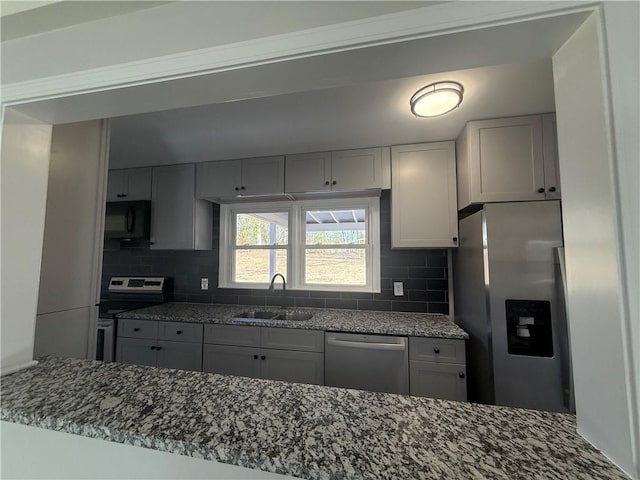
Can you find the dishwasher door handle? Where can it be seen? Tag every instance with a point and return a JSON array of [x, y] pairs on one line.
[[373, 346]]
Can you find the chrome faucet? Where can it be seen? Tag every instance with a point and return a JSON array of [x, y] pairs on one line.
[[284, 283]]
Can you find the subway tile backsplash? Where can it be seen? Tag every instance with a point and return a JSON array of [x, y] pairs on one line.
[[423, 272]]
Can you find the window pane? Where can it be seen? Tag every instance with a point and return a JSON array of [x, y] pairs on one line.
[[258, 266], [336, 266], [336, 227], [262, 228]]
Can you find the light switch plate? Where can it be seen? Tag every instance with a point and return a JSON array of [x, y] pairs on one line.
[[204, 284], [398, 289]]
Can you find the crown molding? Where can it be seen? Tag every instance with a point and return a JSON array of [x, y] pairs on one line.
[[423, 22]]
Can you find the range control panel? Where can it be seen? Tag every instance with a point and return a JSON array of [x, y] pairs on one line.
[[137, 284]]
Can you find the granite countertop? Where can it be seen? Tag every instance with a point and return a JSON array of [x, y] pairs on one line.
[[306, 431], [356, 321]]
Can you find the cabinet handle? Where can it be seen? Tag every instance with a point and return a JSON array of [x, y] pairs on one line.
[[121, 195], [237, 188], [158, 348], [334, 182], [152, 348], [136, 329], [436, 350], [327, 182], [455, 239], [552, 189], [541, 190], [461, 375], [178, 332], [255, 357], [263, 357], [242, 188]]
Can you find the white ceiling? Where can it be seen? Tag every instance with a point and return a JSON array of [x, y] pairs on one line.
[[370, 114]]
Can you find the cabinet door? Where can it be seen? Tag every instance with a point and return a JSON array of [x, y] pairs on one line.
[[136, 351], [550, 151], [289, 366], [308, 172], [231, 360], [506, 159], [180, 355], [261, 176], [172, 209], [356, 169], [138, 184], [219, 179], [115, 186], [423, 196], [438, 380]]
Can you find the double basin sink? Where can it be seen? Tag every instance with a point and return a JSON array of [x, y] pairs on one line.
[[266, 316]]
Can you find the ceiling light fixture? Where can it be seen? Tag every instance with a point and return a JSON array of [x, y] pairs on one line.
[[436, 99]]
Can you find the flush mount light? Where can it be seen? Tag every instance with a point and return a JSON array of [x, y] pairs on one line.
[[436, 99]]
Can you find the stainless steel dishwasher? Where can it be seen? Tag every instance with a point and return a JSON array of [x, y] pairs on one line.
[[377, 363]]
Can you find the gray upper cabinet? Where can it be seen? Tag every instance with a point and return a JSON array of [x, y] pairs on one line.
[[179, 221], [550, 153], [503, 160], [343, 171], [129, 185], [252, 176], [424, 210], [308, 172], [356, 169]]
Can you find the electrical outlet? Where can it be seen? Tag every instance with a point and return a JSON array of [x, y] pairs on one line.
[[398, 289], [204, 284]]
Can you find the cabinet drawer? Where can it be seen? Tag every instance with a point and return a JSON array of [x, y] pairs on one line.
[[128, 327], [180, 332], [240, 335], [447, 350], [293, 339]]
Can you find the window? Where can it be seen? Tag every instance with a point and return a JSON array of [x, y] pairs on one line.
[[326, 244]]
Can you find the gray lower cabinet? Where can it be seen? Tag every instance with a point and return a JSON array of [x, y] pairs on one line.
[[136, 351], [437, 368], [231, 360], [291, 366], [144, 342], [287, 354], [446, 381], [179, 355]]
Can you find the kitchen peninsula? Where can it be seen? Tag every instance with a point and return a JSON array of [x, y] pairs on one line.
[[306, 431]]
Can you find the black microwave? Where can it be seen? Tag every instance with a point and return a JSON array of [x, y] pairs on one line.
[[128, 220]]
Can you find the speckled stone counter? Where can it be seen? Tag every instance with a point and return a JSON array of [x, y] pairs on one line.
[[357, 321], [302, 430]]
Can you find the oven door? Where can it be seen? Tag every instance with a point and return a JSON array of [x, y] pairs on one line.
[[105, 340]]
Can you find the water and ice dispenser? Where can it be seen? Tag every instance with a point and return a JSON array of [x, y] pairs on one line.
[[529, 330]]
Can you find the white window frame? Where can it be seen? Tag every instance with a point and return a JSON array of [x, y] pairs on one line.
[[296, 246]]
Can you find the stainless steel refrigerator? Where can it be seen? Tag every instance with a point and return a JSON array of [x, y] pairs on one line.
[[509, 297]]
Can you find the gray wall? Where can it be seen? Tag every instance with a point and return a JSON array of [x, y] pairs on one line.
[[424, 273]]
